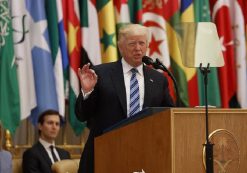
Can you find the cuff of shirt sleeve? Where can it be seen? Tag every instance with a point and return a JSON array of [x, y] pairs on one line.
[[86, 95]]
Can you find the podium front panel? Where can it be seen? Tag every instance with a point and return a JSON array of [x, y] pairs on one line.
[[172, 142]]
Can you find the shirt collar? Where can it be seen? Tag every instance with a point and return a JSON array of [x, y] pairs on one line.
[[46, 144], [127, 67]]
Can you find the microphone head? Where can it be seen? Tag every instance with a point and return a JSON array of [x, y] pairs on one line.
[[147, 60]]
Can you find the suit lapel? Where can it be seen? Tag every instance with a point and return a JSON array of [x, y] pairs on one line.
[[118, 82], [44, 153], [148, 84]]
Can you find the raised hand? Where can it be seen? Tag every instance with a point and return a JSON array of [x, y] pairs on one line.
[[88, 78]]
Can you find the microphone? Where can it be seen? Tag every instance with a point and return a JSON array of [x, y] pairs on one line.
[[147, 60], [159, 65]]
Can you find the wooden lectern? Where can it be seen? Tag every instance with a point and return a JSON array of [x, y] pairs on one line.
[[172, 141]]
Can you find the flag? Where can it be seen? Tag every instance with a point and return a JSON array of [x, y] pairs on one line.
[[42, 60], [73, 30], [52, 20], [238, 29], [89, 24], [122, 13], [202, 14], [153, 17], [243, 4], [22, 47], [187, 15], [107, 29], [9, 91], [227, 74], [63, 48], [135, 11], [172, 16]]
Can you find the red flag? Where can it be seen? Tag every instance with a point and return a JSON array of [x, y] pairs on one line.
[[73, 30], [227, 73], [154, 18]]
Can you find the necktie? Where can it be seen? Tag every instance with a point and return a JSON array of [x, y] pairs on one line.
[[134, 94], [53, 153]]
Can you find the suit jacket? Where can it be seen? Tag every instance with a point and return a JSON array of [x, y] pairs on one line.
[[107, 103], [37, 160], [5, 162]]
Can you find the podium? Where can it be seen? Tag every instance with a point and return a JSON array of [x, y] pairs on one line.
[[171, 141]]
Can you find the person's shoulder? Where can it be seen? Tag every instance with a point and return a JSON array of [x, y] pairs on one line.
[[105, 65], [6, 154], [153, 72], [32, 150], [29, 151]]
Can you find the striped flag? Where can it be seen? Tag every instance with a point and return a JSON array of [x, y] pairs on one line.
[[72, 27], [122, 15], [135, 11], [22, 46], [107, 29], [202, 14], [63, 48], [52, 19], [89, 24], [121, 12], [187, 15], [172, 15], [9, 92]]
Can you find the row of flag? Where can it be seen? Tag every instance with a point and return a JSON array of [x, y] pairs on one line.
[[44, 42]]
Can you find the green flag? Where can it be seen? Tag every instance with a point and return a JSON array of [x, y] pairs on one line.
[[52, 19], [107, 29], [202, 14], [9, 92], [135, 10]]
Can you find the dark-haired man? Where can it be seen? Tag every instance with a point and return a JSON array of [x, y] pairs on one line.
[[43, 154]]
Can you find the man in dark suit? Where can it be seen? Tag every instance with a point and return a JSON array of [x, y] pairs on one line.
[[43, 154], [105, 89]]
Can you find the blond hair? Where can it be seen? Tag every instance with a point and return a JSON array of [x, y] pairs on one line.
[[131, 30]]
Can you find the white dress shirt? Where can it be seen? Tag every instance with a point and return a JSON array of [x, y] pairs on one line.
[[127, 75], [140, 77], [47, 145]]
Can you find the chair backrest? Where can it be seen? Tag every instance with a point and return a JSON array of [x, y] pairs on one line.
[[66, 166], [17, 165]]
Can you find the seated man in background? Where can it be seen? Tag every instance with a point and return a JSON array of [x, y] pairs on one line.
[[43, 154], [5, 158]]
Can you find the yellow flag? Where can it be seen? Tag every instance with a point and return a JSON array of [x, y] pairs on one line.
[[107, 30]]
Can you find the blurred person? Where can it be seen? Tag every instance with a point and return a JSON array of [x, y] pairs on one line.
[[44, 153], [114, 91], [5, 158]]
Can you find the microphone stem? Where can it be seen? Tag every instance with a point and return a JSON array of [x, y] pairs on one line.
[[174, 81], [159, 65]]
